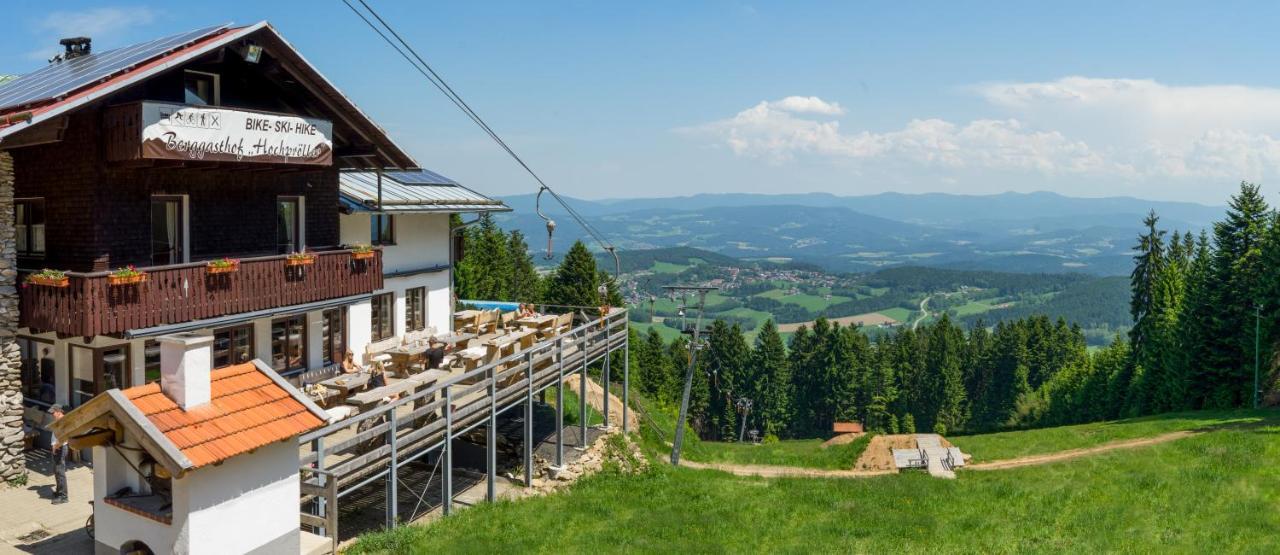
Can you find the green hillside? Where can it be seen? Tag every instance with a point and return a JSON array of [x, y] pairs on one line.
[[1213, 491]]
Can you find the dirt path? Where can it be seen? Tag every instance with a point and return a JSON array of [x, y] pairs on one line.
[[768, 471], [1046, 458], [924, 313], [595, 399]]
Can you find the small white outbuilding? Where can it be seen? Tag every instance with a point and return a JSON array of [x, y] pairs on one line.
[[203, 461]]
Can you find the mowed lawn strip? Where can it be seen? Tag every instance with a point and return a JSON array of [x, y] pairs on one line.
[[1213, 492], [807, 453], [1010, 445]]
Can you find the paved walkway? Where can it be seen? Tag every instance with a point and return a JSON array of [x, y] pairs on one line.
[[30, 523]]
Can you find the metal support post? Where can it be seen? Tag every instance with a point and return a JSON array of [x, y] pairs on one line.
[[446, 485], [560, 404], [491, 440], [626, 383], [317, 445], [582, 396], [392, 479], [604, 374], [528, 422]]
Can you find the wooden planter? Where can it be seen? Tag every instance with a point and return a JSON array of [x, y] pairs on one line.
[[48, 281], [300, 261], [126, 280], [222, 269], [356, 255]]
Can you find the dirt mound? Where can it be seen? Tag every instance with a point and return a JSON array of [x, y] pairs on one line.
[[843, 439], [879, 453]]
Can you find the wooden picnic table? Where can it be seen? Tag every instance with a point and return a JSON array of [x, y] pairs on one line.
[[379, 393], [344, 383], [465, 318], [538, 322]]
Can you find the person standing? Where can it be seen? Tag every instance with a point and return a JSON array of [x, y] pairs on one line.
[[59, 449]]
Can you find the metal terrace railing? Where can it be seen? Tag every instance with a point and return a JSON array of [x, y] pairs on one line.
[[374, 445]]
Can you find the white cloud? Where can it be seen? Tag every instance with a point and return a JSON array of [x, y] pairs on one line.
[[96, 23], [806, 105], [1121, 130], [776, 131]]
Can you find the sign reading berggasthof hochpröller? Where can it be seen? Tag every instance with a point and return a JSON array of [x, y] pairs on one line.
[[181, 132]]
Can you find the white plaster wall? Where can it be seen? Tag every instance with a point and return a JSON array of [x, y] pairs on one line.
[[359, 320], [242, 504], [422, 240], [315, 339], [113, 526], [438, 299]]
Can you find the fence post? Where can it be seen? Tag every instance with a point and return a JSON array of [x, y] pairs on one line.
[[392, 479], [447, 483], [322, 505], [582, 392], [604, 376], [528, 421], [626, 383], [491, 439], [560, 404]]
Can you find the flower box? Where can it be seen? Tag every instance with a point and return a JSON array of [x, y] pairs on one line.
[[46, 281], [222, 266], [300, 260], [127, 280], [361, 255]]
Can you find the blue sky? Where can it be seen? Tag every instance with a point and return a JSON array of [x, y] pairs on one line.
[[1158, 100]]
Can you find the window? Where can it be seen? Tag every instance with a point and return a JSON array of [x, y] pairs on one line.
[[382, 229], [151, 361], [382, 316], [202, 89], [289, 344], [415, 309], [94, 371], [288, 224], [334, 340], [232, 345], [28, 219], [37, 370], [168, 230]]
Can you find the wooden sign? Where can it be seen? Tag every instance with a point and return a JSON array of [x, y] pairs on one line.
[[212, 134]]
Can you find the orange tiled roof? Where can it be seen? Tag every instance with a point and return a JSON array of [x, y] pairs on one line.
[[247, 410]]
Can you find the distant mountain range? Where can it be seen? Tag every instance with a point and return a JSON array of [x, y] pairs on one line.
[[1023, 232]]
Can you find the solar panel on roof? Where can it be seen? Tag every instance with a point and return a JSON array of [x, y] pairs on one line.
[[62, 78], [419, 177]]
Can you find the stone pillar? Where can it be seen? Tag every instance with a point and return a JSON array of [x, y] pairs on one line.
[[12, 465]]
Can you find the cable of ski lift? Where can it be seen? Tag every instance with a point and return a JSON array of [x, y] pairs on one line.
[[435, 79]]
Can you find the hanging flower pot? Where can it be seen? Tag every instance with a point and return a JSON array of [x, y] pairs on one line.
[[222, 266], [361, 252], [300, 259], [127, 276], [48, 278]]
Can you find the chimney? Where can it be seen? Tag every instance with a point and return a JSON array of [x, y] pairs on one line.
[[76, 47], [185, 362]]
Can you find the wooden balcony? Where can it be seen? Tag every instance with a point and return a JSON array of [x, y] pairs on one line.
[[89, 305]]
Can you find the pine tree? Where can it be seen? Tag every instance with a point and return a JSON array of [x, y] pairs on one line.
[[773, 391], [1146, 307], [523, 284], [1190, 359], [725, 359], [1238, 278], [575, 281]]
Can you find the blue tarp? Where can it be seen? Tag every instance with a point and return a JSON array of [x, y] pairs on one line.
[[490, 305]]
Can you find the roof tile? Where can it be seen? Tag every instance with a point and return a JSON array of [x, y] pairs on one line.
[[247, 410]]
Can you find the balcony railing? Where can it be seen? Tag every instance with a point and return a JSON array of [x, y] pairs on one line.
[[90, 305]]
